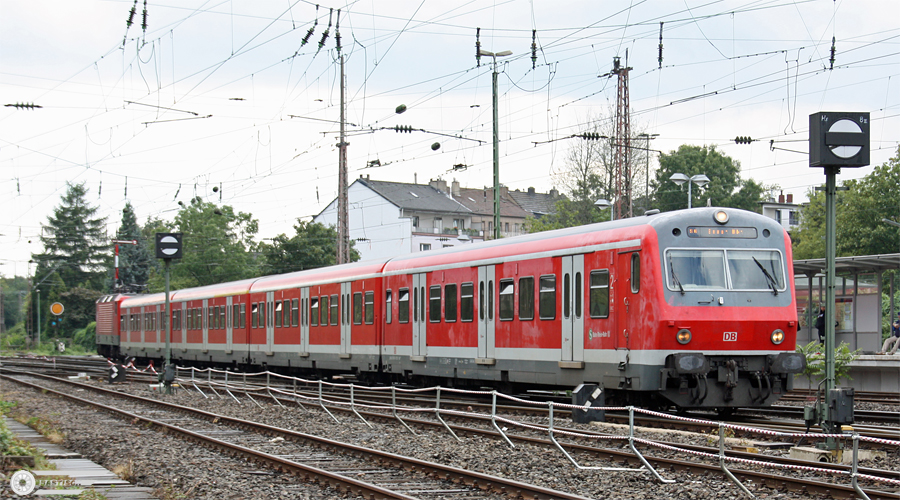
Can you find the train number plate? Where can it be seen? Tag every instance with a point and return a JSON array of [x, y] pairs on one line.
[[730, 337]]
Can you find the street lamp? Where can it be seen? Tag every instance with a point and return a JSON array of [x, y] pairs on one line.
[[700, 180], [495, 55], [603, 204]]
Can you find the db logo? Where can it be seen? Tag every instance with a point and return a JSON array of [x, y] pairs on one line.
[[22, 482], [730, 337]]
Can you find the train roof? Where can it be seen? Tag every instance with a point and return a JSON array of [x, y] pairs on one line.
[[318, 276]]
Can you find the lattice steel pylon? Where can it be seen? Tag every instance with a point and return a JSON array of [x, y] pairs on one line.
[[623, 203]]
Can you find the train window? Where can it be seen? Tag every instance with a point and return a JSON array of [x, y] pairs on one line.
[[635, 272], [387, 306], [526, 298], [210, 317], [122, 323], [345, 316], [422, 303], [262, 315], [334, 309], [295, 312], [507, 299], [567, 296], [548, 297], [254, 315], [314, 311], [415, 304], [577, 295], [222, 319], [235, 315], [357, 308], [434, 304], [286, 319], [369, 304], [481, 300], [243, 316], [467, 302], [323, 311], [304, 312], [403, 305], [279, 313], [755, 269], [696, 269], [490, 300], [450, 303], [599, 294]]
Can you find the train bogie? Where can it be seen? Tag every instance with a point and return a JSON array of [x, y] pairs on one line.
[[693, 308]]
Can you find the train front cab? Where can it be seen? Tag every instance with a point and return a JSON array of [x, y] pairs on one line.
[[729, 309]]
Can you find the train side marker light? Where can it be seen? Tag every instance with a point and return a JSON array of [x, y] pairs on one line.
[[777, 336], [683, 336], [721, 217]]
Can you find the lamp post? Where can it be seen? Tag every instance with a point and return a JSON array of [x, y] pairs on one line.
[[603, 204], [700, 180], [495, 55]]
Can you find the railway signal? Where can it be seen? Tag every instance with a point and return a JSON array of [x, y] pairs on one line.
[[168, 247]]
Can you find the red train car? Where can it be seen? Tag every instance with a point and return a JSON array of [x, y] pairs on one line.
[[692, 308]]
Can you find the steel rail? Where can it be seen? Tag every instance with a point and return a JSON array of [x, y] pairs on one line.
[[470, 478]]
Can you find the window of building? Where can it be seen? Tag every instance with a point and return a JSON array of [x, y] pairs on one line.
[[506, 227], [467, 302], [459, 223], [357, 308], [599, 294], [434, 304], [450, 303], [415, 222], [403, 305], [526, 298], [548, 297], [424, 247], [369, 306], [438, 224], [507, 299]]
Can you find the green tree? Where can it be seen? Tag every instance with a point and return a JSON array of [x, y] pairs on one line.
[[75, 243], [725, 189], [218, 246], [12, 291], [312, 245], [135, 261], [858, 214]]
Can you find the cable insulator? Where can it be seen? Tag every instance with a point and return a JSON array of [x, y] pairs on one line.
[[311, 30], [533, 48], [660, 45], [831, 61], [337, 32], [478, 46], [742, 139], [144, 21]]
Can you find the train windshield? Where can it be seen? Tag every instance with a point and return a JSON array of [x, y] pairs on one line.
[[721, 269]]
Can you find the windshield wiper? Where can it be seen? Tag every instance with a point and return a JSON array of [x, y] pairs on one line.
[[674, 276], [769, 279]]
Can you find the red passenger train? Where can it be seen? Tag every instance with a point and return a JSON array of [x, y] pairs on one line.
[[693, 308]]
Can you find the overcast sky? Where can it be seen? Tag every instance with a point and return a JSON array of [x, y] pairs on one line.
[[225, 93]]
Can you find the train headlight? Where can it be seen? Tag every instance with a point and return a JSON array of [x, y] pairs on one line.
[[778, 336], [721, 216], [683, 336]]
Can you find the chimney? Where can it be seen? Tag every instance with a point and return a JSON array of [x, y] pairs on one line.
[[781, 198], [439, 184], [790, 198], [454, 188], [415, 178], [504, 192], [554, 193], [530, 190]]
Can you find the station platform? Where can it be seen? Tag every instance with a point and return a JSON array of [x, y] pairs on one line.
[[72, 466], [869, 373]]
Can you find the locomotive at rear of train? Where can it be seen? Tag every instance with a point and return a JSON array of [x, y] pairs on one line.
[[693, 308]]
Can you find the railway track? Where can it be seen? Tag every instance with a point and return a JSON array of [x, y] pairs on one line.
[[312, 458], [807, 484]]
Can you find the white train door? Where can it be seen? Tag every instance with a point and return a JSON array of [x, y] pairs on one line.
[[204, 320], [572, 309], [270, 322], [229, 324], [304, 320], [486, 339], [345, 320], [419, 340]]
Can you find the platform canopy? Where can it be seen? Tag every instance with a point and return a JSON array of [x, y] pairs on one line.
[[850, 265]]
